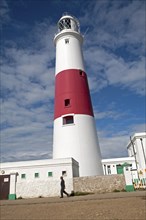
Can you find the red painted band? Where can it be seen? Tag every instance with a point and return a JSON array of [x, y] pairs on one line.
[[72, 93]]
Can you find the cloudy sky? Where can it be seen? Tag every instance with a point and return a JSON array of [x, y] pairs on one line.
[[114, 54]]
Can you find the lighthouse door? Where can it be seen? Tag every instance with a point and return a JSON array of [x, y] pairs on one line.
[[4, 186]]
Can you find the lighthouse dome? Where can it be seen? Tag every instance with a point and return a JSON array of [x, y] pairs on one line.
[[68, 22]]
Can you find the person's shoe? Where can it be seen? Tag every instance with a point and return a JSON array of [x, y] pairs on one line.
[[61, 196]]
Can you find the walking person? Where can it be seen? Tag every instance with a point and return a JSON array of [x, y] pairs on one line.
[[62, 184]]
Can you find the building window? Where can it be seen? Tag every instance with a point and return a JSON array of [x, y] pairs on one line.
[[68, 120], [67, 102], [64, 173], [109, 169], [23, 176], [67, 41], [36, 175], [50, 174]]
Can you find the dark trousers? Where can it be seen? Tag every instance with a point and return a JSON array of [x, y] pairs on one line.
[[63, 191]]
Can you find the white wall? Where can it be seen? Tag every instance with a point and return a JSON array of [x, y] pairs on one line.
[[43, 188], [43, 185]]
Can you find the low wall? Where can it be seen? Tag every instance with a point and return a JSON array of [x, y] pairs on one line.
[[99, 184]]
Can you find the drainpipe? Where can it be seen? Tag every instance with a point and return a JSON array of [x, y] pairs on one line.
[[143, 150], [134, 157]]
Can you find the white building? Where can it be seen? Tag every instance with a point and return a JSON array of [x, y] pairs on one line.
[[41, 178], [136, 161], [137, 149], [116, 165], [36, 178]]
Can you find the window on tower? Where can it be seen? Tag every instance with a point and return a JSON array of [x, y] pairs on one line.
[[65, 24], [81, 73], [67, 41], [60, 25], [68, 120], [67, 102]]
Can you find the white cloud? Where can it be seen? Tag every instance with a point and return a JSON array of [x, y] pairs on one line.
[[108, 69], [29, 139], [27, 97], [112, 114], [119, 27], [115, 144], [117, 23], [4, 12]]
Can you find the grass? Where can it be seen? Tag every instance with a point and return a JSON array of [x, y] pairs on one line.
[[82, 193], [117, 190]]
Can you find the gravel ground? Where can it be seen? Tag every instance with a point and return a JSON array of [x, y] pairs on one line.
[[115, 206]]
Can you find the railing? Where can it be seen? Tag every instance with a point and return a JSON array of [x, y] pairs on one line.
[[139, 183]]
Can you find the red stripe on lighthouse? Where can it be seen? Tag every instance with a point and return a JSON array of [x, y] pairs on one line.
[[72, 93]]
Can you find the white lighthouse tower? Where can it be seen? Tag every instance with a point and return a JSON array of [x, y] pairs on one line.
[[74, 124]]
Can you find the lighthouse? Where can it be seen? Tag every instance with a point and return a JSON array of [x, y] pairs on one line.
[[74, 132]]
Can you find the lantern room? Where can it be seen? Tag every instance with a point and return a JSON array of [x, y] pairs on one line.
[[68, 22]]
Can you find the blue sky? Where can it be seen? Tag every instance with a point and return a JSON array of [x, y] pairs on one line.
[[114, 54]]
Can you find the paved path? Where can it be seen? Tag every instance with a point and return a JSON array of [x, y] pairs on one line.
[[109, 206], [74, 198]]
